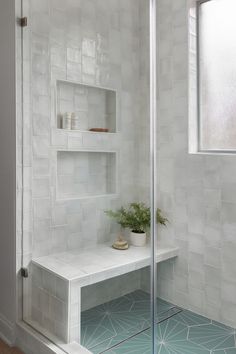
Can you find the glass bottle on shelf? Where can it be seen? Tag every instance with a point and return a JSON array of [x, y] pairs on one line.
[[66, 121]]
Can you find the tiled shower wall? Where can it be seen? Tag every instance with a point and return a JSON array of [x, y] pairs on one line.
[[198, 191], [97, 43]]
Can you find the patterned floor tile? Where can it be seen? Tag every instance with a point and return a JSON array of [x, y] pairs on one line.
[[122, 326], [114, 318], [99, 313], [93, 334], [138, 296], [117, 318], [119, 338], [172, 338], [225, 351], [213, 336], [163, 306], [191, 319], [140, 344], [229, 351]]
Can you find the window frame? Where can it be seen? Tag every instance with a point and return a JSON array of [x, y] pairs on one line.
[[198, 93]]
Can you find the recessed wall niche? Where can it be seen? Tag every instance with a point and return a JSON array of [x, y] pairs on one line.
[[94, 106], [82, 174]]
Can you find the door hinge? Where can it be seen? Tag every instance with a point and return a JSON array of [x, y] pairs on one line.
[[23, 21], [24, 272]]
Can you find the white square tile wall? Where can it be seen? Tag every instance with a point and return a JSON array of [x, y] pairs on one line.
[[95, 43], [49, 303], [196, 191], [85, 174]]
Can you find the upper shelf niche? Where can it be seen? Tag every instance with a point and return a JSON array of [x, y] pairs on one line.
[[95, 107]]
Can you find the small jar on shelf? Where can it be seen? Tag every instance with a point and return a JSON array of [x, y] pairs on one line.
[[74, 122]]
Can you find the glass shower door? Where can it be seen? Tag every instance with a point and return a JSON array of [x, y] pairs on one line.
[[86, 152]]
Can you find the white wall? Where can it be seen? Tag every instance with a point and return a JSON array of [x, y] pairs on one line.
[[7, 170], [197, 191]]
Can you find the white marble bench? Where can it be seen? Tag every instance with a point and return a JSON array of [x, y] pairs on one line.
[[61, 276]]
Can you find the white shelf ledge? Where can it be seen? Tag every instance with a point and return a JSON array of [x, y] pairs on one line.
[[103, 262], [85, 131]]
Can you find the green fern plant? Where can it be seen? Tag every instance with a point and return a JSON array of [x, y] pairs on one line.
[[136, 217], [160, 219]]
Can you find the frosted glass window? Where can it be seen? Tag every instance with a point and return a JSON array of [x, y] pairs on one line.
[[217, 74]]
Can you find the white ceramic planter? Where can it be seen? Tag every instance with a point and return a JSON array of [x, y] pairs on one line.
[[137, 239]]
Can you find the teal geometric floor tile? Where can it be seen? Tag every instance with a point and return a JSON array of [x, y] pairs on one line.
[[122, 326], [171, 330], [115, 318], [101, 312], [163, 306], [140, 344], [191, 319], [119, 338], [167, 314], [183, 347], [225, 351], [92, 335], [230, 351], [222, 325], [172, 339], [212, 336], [119, 319], [138, 295]]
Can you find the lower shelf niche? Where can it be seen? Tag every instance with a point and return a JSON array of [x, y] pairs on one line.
[[82, 174]]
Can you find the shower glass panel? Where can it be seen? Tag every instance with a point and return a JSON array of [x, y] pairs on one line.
[[86, 80], [86, 156]]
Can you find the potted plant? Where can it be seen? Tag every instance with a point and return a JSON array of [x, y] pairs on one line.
[[136, 218]]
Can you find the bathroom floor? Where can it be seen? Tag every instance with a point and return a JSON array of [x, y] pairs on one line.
[[123, 326], [5, 349]]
